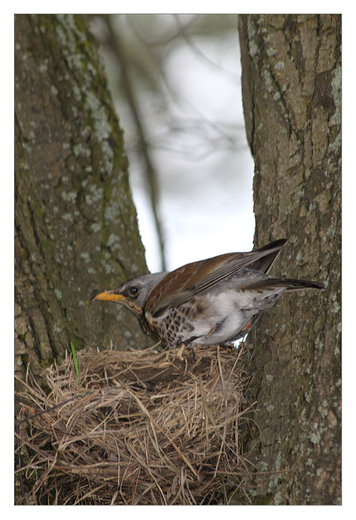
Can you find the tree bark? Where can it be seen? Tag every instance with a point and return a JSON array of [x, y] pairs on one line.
[[291, 83], [76, 225]]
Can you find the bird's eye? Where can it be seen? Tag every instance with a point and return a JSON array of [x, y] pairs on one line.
[[133, 290]]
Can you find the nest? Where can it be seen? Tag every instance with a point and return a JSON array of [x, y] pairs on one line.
[[139, 428]]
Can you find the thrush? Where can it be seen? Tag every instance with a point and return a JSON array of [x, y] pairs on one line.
[[210, 302]]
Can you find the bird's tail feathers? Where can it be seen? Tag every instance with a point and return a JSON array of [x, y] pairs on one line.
[[290, 284]]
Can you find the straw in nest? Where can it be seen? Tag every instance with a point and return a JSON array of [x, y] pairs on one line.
[[142, 428]]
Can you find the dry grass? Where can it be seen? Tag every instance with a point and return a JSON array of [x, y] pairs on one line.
[[143, 428]]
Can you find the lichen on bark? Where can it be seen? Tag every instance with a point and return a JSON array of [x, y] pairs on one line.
[[292, 95], [76, 225]]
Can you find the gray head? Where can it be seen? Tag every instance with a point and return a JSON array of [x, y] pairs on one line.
[[133, 293]]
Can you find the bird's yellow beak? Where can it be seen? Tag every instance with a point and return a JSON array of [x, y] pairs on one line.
[[108, 296]]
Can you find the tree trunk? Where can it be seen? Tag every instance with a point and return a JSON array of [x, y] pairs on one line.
[[76, 226], [291, 82]]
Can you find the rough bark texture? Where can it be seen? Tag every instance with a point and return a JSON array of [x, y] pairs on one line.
[[76, 227], [291, 80]]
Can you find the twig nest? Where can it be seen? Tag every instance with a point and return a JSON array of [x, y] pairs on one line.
[[142, 428]]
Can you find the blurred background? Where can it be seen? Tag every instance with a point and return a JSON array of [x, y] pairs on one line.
[[176, 86]]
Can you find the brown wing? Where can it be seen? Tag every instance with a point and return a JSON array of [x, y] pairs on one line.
[[181, 285], [264, 263]]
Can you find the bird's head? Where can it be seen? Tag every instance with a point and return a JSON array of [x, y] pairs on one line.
[[134, 293]]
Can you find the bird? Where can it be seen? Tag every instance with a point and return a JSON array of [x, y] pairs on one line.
[[209, 302]]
